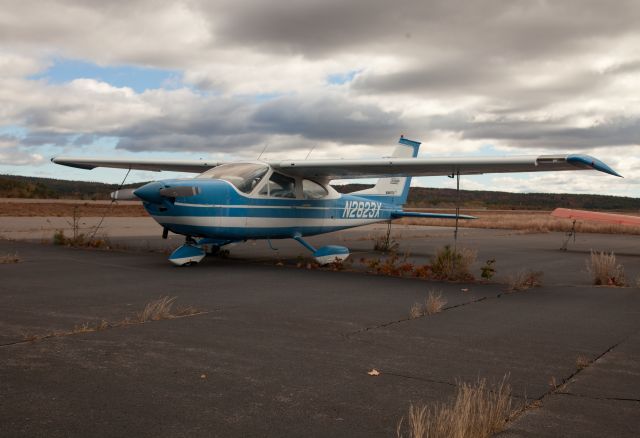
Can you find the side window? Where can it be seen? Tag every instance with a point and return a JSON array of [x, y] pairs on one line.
[[279, 186], [313, 190]]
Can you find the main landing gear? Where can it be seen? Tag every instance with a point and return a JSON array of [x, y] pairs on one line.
[[326, 254]]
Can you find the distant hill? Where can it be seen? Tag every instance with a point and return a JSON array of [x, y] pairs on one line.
[[13, 186]]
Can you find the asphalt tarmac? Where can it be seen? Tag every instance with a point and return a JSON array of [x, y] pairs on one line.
[[285, 351]]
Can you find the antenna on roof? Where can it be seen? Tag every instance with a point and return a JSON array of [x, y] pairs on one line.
[[263, 149], [311, 150]]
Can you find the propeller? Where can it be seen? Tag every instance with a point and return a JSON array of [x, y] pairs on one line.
[[124, 195]]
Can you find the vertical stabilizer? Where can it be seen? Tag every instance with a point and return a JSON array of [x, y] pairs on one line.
[[394, 190]]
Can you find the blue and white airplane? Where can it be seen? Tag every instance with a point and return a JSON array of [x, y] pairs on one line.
[[232, 202]]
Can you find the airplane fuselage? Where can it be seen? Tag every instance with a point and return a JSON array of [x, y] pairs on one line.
[[221, 212]]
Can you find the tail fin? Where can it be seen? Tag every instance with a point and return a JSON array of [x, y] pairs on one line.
[[394, 190]]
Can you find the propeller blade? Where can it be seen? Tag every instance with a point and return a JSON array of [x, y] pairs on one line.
[[124, 195], [180, 191]]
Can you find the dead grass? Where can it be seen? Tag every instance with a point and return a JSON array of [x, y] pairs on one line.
[[529, 221], [8, 259], [478, 410], [155, 310], [582, 362], [605, 270], [524, 280], [432, 305], [416, 311], [80, 240], [453, 264]]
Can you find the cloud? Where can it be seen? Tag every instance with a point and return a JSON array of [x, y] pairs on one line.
[[11, 153]]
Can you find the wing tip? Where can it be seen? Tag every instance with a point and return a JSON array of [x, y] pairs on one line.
[[592, 162]]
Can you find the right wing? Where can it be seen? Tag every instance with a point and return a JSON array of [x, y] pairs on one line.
[[391, 167], [192, 166]]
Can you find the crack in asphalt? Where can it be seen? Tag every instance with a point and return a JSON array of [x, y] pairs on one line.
[[64, 334], [557, 389], [444, 309], [637, 400], [387, 324]]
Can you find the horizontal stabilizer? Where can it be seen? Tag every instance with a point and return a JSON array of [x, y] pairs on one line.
[[399, 214]]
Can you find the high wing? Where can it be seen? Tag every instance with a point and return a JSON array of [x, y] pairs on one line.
[[192, 166], [609, 218], [389, 167], [372, 168]]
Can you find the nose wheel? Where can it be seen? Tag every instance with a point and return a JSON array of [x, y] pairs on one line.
[[188, 254]]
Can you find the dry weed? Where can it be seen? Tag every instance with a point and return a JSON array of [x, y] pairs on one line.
[[416, 311], [434, 303], [102, 325], [527, 221], [187, 311], [157, 309], [80, 240], [453, 264], [582, 362], [524, 280], [30, 337], [478, 410], [604, 270], [82, 328], [7, 259]]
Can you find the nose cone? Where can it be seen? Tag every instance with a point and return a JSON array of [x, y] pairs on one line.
[[150, 192]]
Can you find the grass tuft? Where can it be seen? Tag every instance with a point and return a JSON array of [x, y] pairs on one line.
[[417, 310], [434, 303], [80, 240], [157, 309], [8, 259], [582, 362], [453, 264], [605, 270], [524, 280], [478, 410]]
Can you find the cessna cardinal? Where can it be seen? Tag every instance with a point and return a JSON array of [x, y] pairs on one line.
[[231, 202]]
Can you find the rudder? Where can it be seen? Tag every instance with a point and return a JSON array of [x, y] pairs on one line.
[[395, 190]]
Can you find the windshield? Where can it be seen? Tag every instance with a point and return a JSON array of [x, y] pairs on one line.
[[244, 176]]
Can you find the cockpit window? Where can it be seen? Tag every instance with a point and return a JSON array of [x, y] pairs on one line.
[[279, 186], [244, 176], [313, 190]]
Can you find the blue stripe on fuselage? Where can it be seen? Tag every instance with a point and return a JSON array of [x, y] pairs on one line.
[[220, 201]]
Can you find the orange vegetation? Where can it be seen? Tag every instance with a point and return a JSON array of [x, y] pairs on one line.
[[527, 221]]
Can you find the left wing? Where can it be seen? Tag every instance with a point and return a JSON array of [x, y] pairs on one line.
[[389, 167], [193, 166], [374, 168]]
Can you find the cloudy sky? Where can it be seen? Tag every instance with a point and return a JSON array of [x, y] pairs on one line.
[[225, 79]]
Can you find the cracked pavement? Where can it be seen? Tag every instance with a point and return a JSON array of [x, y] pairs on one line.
[[285, 351]]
